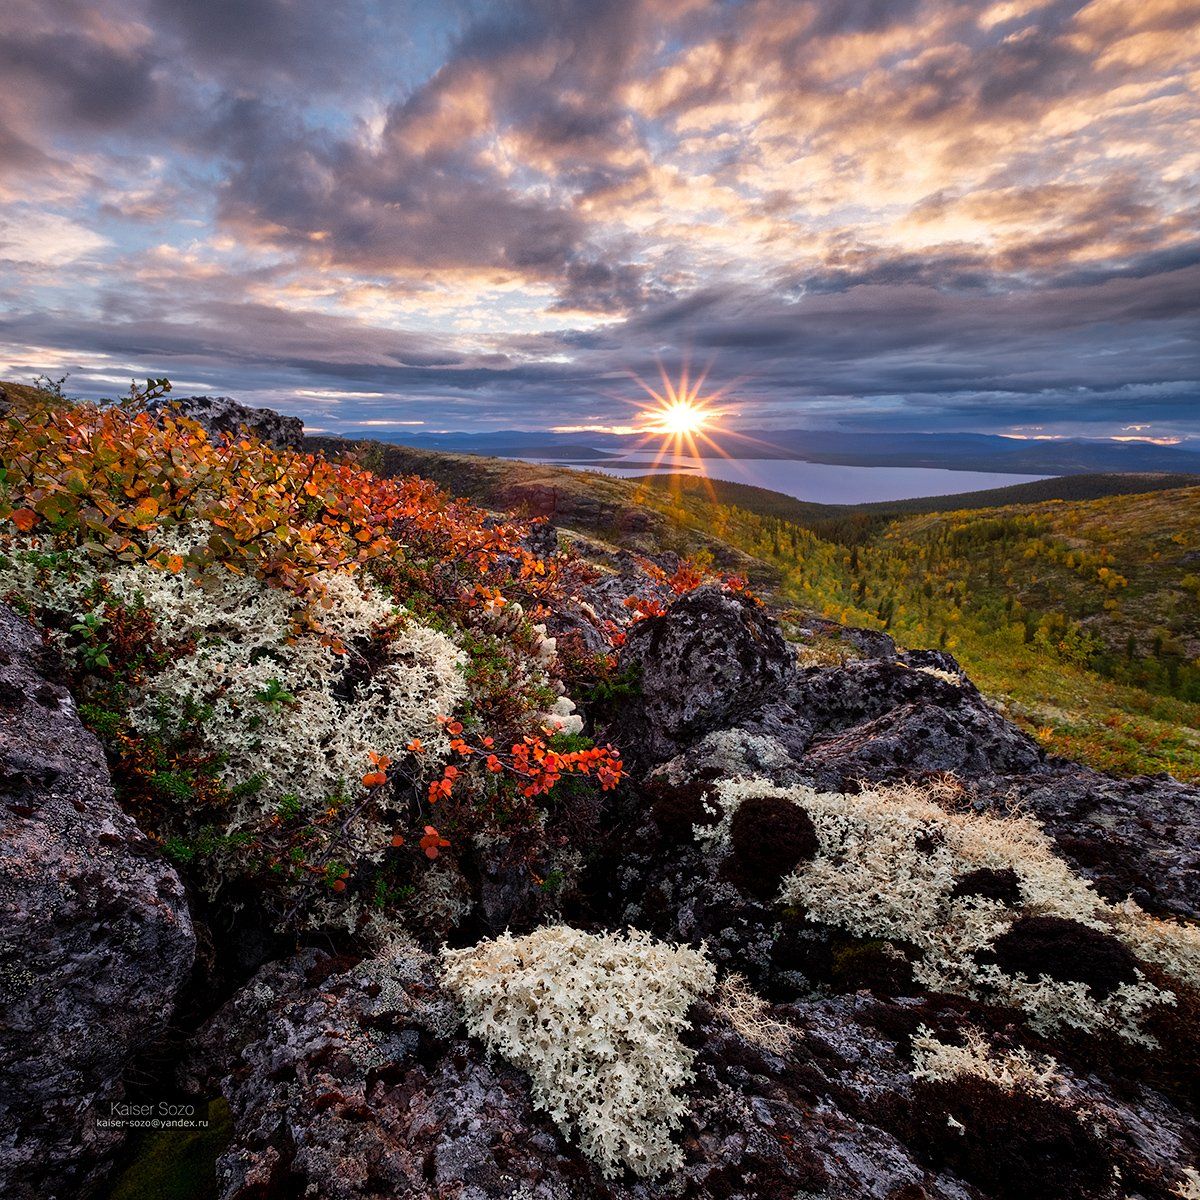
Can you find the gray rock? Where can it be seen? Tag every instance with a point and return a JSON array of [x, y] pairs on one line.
[[862, 643], [711, 662], [1131, 837], [732, 754], [95, 935], [355, 1083], [970, 740], [221, 415], [347, 1082], [836, 698]]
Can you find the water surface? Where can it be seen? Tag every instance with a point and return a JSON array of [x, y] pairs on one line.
[[821, 483]]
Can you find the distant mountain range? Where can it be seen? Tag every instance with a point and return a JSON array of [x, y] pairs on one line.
[[949, 451]]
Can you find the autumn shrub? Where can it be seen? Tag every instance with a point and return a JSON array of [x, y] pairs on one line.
[[294, 664]]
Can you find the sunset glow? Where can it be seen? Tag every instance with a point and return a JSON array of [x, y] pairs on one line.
[[682, 417], [892, 215]]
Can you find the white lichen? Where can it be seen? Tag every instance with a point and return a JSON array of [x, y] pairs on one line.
[[749, 1015], [595, 1020], [886, 867], [1011, 1070], [1188, 1188], [331, 708]]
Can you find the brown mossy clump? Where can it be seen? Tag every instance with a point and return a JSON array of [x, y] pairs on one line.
[[1007, 1142], [1067, 951], [771, 837], [677, 808], [990, 883], [871, 964]]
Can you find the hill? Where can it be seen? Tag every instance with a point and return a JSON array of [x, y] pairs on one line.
[[896, 448], [1070, 601], [318, 782], [1081, 616], [849, 521]]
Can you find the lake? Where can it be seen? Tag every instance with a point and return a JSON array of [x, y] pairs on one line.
[[821, 483]]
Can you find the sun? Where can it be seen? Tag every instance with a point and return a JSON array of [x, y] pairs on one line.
[[679, 422], [682, 417], [680, 410]]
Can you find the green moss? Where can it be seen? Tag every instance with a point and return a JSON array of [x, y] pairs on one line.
[[177, 1164]]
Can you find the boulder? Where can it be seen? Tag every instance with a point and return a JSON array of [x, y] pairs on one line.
[[712, 661], [355, 1080], [349, 1081], [95, 935], [837, 698], [1131, 837], [858, 643], [922, 738], [221, 416]]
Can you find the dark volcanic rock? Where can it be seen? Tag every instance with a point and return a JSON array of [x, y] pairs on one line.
[[1131, 837], [347, 1083], [220, 415], [835, 698], [970, 740], [715, 658], [95, 935], [862, 643]]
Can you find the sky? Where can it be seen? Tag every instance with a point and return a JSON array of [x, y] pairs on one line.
[[876, 214]]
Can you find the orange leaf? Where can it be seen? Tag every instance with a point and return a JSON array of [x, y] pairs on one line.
[[24, 519]]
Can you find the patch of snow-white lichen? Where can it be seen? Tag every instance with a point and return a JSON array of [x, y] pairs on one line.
[[887, 864], [595, 1020]]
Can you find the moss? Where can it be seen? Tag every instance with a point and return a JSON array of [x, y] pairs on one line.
[[792, 1171], [873, 964], [178, 1164], [1067, 951], [770, 837], [990, 883], [677, 809], [1008, 1142]]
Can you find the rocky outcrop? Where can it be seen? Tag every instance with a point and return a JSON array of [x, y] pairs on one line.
[[222, 416], [350, 1081], [715, 660], [968, 740], [95, 936], [1131, 837]]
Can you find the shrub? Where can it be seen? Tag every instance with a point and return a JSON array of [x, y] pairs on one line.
[[595, 1020], [274, 647]]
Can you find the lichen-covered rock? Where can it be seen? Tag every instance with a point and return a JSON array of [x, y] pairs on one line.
[[836, 698], [715, 658], [348, 1081], [1131, 837], [859, 643], [95, 935], [221, 415], [968, 740], [351, 1081]]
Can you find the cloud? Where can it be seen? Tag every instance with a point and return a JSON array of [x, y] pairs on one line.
[[872, 211], [45, 239]]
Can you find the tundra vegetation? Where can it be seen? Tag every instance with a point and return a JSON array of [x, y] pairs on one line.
[[333, 700]]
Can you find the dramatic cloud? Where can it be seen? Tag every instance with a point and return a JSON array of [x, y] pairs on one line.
[[891, 213]]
